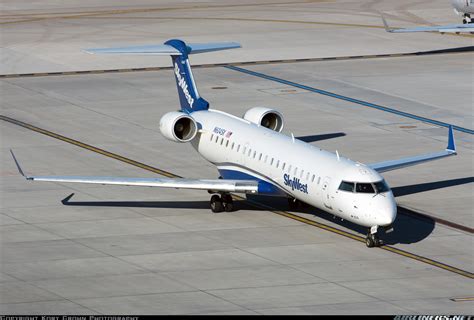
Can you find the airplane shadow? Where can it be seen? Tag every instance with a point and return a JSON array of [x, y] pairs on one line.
[[319, 137], [238, 204], [408, 228], [422, 187]]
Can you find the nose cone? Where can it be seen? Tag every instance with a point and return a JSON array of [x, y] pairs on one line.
[[386, 210]]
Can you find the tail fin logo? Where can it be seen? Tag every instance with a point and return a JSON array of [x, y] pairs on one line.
[[183, 85]]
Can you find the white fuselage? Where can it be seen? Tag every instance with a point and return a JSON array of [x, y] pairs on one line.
[[463, 6], [243, 150]]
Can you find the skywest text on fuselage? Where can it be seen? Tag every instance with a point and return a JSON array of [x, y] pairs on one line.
[[295, 184]]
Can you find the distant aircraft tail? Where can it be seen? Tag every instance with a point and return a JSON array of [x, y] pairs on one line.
[[178, 50]]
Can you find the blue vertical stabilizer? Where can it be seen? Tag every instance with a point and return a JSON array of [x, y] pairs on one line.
[[188, 94]]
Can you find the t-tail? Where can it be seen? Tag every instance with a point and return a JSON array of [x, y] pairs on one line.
[[179, 51]]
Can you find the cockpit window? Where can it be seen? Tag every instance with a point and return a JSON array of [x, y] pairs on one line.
[[347, 186], [364, 188], [381, 186]]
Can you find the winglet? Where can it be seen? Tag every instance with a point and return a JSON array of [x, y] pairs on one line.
[[385, 24], [18, 166], [65, 201], [451, 145]]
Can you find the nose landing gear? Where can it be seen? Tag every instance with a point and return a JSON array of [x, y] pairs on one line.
[[222, 203], [372, 240], [467, 18]]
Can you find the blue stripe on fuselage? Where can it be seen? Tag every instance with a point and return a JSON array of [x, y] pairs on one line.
[[264, 187]]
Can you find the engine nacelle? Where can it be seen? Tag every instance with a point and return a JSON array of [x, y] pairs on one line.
[[178, 127], [265, 117]]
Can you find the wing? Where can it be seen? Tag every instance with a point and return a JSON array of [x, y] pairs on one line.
[[453, 28], [218, 185], [411, 161]]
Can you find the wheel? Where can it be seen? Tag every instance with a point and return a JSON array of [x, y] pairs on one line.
[[467, 19], [227, 202], [228, 206], [372, 240], [369, 241], [377, 241], [216, 204]]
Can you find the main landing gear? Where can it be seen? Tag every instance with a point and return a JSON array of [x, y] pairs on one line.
[[222, 202], [372, 240]]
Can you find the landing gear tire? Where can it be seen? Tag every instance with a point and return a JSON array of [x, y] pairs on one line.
[[227, 202], [369, 242], [467, 19], [216, 204], [372, 241]]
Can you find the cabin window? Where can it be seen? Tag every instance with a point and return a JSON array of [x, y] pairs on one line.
[[283, 166], [307, 176], [227, 143], [212, 136], [301, 174], [278, 163], [260, 157], [222, 141], [289, 168], [250, 151], [296, 171], [319, 179], [312, 179], [245, 148], [217, 138], [271, 162], [266, 158], [232, 146], [346, 186], [254, 154]]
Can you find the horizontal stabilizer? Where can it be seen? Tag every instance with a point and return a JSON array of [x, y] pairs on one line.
[[452, 28], [166, 49]]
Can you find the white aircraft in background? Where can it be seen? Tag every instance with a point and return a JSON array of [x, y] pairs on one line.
[[254, 157], [461, 7], [464, 8]]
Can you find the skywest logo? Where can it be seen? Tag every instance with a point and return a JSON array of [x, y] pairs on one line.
[[183, 85], [295, 184]]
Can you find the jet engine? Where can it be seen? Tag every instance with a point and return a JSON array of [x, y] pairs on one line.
[[265, 117], [178, 127]]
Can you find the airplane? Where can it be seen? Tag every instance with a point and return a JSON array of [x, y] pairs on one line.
[[461, 7], [464, 8], [253, 156]]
